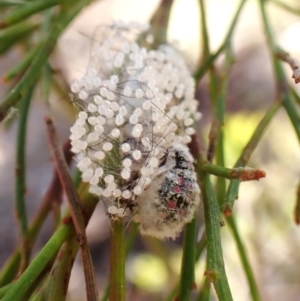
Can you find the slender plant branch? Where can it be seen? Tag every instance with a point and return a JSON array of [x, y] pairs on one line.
[[295, 95], [198, 252], [6, 3], [20, 184], [53, 194], [232, 192], [204, 291], [117, 291], [56, 286], [244, 259], [22, 66], [287, 7], [240, 173], [5, 289], [75, 210], [297, 206], [187, 274], [282, 85], [48, 44], [23, 284], [215, 264], [26, 10], [201, 71], [130, 239], [16, 33]]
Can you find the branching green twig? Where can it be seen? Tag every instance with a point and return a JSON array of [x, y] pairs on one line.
[[282, 85], [203, 68], [232, 192], [26, 10], [240, 173], [215, 264]]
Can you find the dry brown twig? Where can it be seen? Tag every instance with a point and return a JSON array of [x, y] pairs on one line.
[[75, 208]]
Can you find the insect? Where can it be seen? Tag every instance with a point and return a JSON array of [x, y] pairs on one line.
[[170, 202]]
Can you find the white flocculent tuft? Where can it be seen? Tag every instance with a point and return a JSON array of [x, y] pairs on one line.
[[137, 109], [171, 199]]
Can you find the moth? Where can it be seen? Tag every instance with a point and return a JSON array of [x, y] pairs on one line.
[[173, 196]]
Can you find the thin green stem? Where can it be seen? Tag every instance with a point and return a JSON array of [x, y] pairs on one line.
[[5, 289], [20, 184], [232, 192], [48, 44], [244, 259], [12, 35], [204, 31], [55, 286], [295, 95], [20, 168], [198, 251], [200, 246], [105, 294], [47, 71], [52, 195], [220, 160], [22, 285], [33, 271], [202, 70], [297, 206], [282, 85], [215, 264], [211, 58], [187, 275], [219, 112], [204, 291], [22, 66], [10, 268], [130, 239], [5, 3], [26, 10], [218, 89], [241, 173], [117, 281]]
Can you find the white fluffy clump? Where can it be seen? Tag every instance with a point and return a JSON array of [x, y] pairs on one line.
[[170, 202], [137, 114]]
